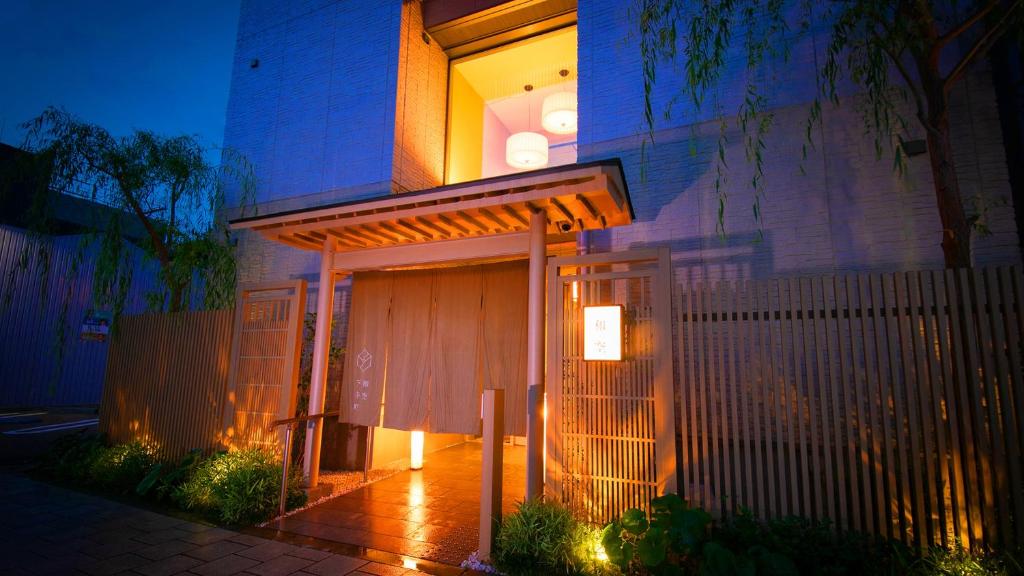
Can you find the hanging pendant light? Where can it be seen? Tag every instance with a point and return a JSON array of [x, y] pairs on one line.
[[526, 150], [558, 113]]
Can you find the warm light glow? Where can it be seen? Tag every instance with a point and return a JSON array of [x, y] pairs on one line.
[[416, 491], [558, 113], [408, 564], [526, 150], [602, 332], [575, 290], [416, 452]]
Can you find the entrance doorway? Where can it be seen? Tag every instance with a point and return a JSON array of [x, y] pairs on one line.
[[432, 514]]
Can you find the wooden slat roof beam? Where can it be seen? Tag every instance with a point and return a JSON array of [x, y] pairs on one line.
[[575, 197]]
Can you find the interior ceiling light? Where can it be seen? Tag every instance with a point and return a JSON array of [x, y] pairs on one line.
[[559, 114], [526, 150]]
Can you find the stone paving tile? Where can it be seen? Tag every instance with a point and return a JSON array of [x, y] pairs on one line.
[[115, 548], [208, 536], [170, 565], [280, 566], [225, 566], [247, 539], [309, 553], [266, 550], [216, 550], [166, 549], [335, 565], [162, 535], [383, 569], [113, 565]]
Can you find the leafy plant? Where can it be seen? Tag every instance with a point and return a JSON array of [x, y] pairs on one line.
[[669, 540], [165, 477], [239, 487], [544, 538], [71, 457], [123, 466]]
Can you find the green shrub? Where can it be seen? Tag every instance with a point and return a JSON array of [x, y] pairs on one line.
[[70, 458], [239, 487], [677, 539], [165, 477], [544, 538], [123, 466]]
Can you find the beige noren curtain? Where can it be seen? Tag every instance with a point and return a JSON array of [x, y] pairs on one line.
[[407, 385], [366, 357], [448, 334], [455, 380], [505, 297]]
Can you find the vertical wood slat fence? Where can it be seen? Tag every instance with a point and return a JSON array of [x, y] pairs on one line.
[[166, 380], [889, 403]]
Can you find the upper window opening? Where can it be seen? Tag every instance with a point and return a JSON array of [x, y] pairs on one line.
[[513, 108]]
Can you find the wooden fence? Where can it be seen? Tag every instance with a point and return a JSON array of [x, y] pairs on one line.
[[166, 380], [889, 403]]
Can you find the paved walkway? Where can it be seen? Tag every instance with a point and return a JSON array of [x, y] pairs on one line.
[[433, 513], [50, 530]]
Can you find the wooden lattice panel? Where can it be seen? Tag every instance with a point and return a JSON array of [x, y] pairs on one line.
[[610, 437], [264, 363]]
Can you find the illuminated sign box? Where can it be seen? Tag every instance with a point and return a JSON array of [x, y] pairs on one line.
[[602, 332]]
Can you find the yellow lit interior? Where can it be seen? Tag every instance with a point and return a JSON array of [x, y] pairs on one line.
[[487, 102]]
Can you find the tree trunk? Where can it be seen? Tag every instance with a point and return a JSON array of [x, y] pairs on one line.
[[176, 296], [956, 231]]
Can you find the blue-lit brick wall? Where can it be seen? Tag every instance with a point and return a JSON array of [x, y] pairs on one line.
[[840, 210], [316, 116], [317, 120]]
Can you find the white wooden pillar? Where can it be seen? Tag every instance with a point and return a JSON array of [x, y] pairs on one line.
[[321, 349], [535, 358], [490, 483]]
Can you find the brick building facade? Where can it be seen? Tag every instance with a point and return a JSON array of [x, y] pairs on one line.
[[343, 100]]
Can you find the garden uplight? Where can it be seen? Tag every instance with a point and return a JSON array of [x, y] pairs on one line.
[[416, 450]]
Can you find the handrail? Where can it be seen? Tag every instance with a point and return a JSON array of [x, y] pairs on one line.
[[287, 456], [298, 419]]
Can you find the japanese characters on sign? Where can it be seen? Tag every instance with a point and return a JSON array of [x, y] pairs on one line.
[[602, 333], [96, 326]]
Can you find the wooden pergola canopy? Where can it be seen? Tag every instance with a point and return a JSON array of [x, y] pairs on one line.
[[574, 198]]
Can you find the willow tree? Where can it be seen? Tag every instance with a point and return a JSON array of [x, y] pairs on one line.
[[906, 57], [165, 185]]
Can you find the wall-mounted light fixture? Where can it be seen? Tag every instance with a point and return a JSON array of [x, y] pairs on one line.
[[416, 450], [602, 333]]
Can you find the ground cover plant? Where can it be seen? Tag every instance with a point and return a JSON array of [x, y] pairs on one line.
[[670, 538], [544, 538], [236, 487]]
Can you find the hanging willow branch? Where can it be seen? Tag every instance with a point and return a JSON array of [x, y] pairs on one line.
[[163, 186], [895, 51]]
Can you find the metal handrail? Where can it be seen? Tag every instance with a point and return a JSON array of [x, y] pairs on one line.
[[287, 456]]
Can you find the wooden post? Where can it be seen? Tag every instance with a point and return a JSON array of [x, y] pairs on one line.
[[490, 486], [535, 358], [321, 349]]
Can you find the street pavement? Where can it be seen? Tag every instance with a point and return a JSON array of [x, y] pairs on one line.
[[51, 530]]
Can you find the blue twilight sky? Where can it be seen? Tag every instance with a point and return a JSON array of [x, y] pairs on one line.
[[123, 64]]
